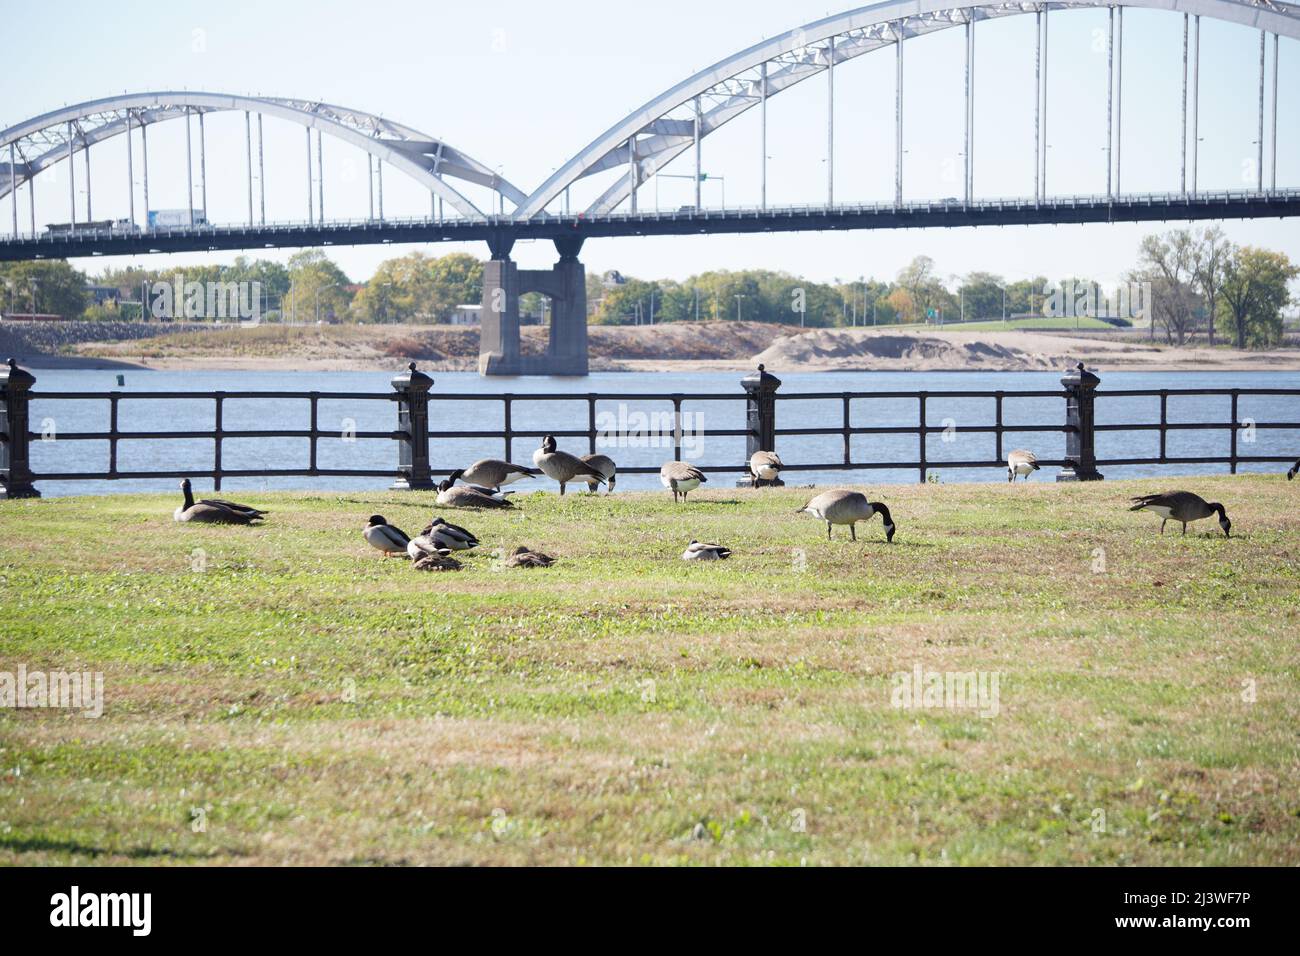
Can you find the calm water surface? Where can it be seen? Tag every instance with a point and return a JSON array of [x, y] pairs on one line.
[[186, 454]]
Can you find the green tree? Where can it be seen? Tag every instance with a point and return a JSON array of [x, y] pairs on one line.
[[982, 292], [1253, 294], [50, 287], [317, 287]]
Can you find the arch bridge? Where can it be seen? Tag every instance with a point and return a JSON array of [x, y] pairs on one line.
[[620, 162]]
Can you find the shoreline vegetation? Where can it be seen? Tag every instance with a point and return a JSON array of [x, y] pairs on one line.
[[285, 695], [681, 346]]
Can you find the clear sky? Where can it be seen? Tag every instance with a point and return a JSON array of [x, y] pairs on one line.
[[523, 85]]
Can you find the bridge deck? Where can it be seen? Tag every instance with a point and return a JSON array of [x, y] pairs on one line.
[[684, 221]]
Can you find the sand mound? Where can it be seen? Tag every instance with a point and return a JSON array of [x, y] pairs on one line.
[[921, 351]]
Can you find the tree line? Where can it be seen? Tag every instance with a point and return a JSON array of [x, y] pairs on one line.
[[1196, 284]]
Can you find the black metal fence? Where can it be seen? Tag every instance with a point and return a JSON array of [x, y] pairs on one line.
[[411, 395]]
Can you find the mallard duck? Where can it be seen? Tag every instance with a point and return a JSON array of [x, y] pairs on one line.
[[463, 496], [443, 534], [848, 507], [523, 557], [214, 510], [605, 465], [681, 478], [492, 473], [383, 536], [563, 467], [1021, 462], [1183, 507], [436, 561], [698, 551]]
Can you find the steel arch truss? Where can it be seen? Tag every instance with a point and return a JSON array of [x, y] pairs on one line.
[[44, 140], [650, 138]]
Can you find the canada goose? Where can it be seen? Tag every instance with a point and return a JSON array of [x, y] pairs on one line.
[[1183, 507], [1021, 462], [492, 473], [1295, 470], [463, 496], [848, 507], [523, 557], [681, 478], [436, 561], [765, 465], [383, 536], [562, 466], [605, 465], [214, 511], [697, 551], [452, 537]]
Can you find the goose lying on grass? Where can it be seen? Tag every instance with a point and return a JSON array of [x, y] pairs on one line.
[[214, 510], [463, 496], [384, 537], [1183, 507], [848, 507], [698, 551]]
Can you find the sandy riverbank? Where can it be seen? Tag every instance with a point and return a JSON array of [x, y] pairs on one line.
[[706, 346]]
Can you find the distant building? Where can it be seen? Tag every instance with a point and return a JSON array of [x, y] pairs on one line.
[[466, 315]]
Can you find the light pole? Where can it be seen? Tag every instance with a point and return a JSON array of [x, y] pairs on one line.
[[739, 296], [32, 283], [332, 285], [1004, 302]]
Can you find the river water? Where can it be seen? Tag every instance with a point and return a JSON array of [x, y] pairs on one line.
[[54, 416]]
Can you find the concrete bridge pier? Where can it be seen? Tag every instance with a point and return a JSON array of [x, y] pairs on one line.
[[565, 284]]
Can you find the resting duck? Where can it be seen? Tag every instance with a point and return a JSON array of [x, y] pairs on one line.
[[381, 535]]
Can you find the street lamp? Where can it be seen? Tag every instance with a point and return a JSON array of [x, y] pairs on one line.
[[739, 296]]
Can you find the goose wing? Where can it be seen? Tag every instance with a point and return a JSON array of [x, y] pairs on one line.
[[681, 471], [234, 506]]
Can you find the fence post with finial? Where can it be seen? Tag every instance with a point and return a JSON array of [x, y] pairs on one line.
[[760, 422], [412, 388], [1080, 435]]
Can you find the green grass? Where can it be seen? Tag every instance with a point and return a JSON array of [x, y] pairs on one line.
[[320, 704]]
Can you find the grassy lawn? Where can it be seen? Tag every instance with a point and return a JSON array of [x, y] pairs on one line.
[[284, 695]]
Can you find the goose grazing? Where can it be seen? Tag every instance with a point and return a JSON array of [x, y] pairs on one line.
[[492, 473], [1183, 507], [765, 465], [1295, 470], [524, 557], [681, 478], [605, 465], [441, 534], [214, 510], [381, 535], [562, 466], [464, 496], [697, 551], [1021, 462], [848, 507]]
